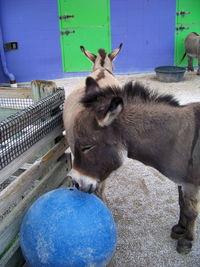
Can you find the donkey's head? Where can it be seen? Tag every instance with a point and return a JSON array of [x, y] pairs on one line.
[[102, 60], [96, 147]]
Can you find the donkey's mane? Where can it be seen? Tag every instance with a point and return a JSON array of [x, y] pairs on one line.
[[130, 91], [102, 53]]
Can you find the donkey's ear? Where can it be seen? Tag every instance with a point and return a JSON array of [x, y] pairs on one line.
[[114, 53], [91, 86], [88, 54], [112, 112]]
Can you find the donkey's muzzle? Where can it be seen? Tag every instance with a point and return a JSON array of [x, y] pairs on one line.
[[87, 188], [84, 183]]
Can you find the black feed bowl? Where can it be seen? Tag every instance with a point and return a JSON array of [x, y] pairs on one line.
[[170, 74]]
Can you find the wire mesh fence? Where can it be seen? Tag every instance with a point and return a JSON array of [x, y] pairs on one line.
[[17, 103], [20, 131]]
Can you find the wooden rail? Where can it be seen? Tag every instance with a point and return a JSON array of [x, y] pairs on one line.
[[10, 225], [15, 165], [32, 175], [16, 189]]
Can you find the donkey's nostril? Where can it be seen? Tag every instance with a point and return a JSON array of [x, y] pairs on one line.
[[90, 189], [76, 185]]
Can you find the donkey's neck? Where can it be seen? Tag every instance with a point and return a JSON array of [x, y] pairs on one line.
[[147, 133], [104, 78], [105, 68], [148, 118]]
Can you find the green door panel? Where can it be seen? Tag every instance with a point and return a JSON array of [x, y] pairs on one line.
[[91, 38], [89, 27], [86, 13], [190, 22], [191, 6]]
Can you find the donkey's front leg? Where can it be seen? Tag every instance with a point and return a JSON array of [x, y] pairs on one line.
[[185, 229], [179, 229], [100, 191]]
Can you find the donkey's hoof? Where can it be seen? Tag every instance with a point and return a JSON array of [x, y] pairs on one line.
[[184, 246], [177, 232], [190, 69]]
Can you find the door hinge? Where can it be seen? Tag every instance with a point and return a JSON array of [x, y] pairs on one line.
[[181, 28], [182, 13], [66, 16], [67, 32]]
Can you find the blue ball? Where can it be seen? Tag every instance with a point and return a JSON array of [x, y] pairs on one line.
[[66, 227]]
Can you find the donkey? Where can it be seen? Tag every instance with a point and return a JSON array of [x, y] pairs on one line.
[[113, 122], [102, 72], [192, 50]]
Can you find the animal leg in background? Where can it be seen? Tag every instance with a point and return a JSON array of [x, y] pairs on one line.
[[184, 231], [192, 49], [190, 63], [198, 71]]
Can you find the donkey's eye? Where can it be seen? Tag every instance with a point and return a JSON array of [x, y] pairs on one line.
[[86, 148]]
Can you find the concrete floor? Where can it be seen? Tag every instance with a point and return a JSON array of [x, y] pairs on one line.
[[143, 202]]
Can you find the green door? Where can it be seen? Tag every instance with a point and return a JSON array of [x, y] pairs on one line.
[[187, 20], [86, 23]]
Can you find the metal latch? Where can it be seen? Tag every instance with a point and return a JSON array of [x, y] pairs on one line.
[[181, 28], [66, 16], [67, 32], [182, 13]]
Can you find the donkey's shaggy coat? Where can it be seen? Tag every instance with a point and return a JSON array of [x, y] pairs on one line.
[[153, 129]]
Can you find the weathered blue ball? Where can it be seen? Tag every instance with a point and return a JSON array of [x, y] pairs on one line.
[[66, 227]]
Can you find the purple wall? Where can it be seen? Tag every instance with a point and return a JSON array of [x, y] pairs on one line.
[[35, 26], [146, 27]]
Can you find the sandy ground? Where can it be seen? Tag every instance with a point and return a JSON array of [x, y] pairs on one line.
[[143, 202]]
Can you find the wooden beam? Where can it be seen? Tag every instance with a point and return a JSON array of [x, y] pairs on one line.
[[26, 166], [16, 164], [41, 89], [8, 92], [11, 223], [13, 257], [14, 191]]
